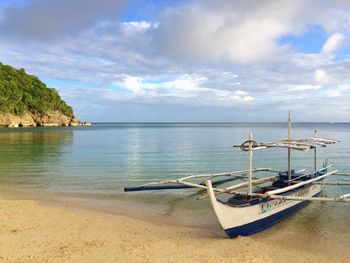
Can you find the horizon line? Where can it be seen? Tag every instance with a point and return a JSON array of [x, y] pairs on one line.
[[228, 122]]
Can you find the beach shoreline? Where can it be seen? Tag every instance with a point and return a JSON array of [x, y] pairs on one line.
[[40, 231]]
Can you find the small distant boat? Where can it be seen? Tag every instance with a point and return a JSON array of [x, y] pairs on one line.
[[264, 201]]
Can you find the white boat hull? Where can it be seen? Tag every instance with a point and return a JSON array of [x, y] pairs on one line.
[[247, 220]]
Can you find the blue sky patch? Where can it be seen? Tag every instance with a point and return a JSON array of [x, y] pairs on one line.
[[310, 42]]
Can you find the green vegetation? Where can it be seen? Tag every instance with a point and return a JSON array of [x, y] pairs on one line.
[[20, 93]]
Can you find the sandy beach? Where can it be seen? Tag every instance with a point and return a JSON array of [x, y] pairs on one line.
[[32, 231]]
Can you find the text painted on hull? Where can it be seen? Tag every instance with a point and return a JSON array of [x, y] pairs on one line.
[[272, 204]]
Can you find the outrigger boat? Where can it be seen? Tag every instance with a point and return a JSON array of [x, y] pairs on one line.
[[278, 196]]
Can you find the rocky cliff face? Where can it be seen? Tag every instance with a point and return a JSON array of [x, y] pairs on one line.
[[51, 119]]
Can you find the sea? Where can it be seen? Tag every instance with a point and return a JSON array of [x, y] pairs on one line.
[[88, 167]]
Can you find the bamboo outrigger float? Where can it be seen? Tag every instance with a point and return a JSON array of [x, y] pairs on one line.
[[254, 209]]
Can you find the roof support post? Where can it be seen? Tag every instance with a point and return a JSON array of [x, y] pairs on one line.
[[315, 158], [250, 164]]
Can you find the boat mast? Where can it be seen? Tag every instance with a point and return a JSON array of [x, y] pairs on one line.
[[250, 166], [289, 149]]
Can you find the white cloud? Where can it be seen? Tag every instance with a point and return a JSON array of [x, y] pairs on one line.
[[225, 31], [241, 95], [242, 32], [305, 87], [332, 44], [133, 84], [139, 25], [321, 76], [337, 91], [184, 86], [179, 86], [333, 93]]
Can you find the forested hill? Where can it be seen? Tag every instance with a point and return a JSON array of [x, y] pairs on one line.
[[27, 101], [21, 92]]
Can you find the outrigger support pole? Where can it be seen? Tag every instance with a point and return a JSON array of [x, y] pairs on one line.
[[175, 185], [182, 184], [289, 149]]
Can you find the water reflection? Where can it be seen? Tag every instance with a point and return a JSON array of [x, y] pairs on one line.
[[31, 158]]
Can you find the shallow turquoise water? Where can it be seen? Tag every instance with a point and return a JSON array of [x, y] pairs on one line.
[[105, 157], [90, 166]]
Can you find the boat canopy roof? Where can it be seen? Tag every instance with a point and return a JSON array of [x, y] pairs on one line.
[[299, 144]]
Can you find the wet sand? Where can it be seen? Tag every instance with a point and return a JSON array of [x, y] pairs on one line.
[[32, 231]]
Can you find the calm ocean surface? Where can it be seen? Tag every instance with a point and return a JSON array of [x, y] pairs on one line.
[[89, 166]]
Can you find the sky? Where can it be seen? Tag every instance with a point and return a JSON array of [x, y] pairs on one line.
[[186, 60]]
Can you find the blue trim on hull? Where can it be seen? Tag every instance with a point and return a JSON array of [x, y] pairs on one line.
[[259, 225]]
